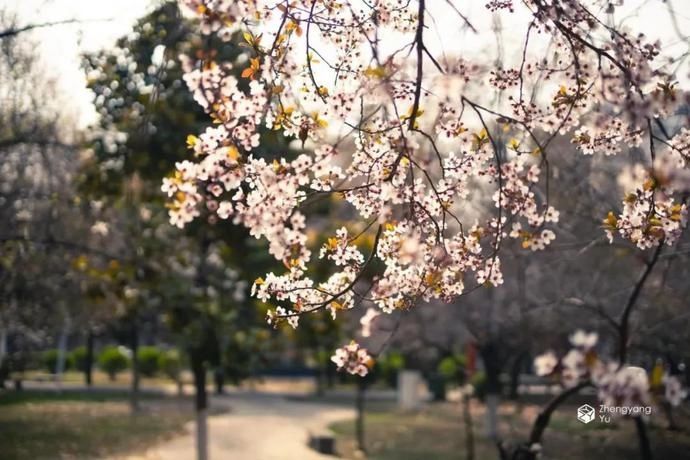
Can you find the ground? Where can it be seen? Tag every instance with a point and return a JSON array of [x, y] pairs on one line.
[[49, 426], [256, 427], [41, 424], [250, 425], [437, 433]]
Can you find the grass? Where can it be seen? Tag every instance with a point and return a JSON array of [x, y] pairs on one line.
[[83, 425], [100, 378], [437, 433], [11, 398], [434, 433]]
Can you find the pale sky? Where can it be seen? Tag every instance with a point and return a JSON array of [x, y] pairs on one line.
[[62, 44]]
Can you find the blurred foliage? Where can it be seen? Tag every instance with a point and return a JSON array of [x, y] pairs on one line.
[[479, 384], [49, 359], [390, 364], [145, 111], [147, 360], [171, 364], [112, 360], [192, 279], [452, 368], [78, 357], [449, 371]]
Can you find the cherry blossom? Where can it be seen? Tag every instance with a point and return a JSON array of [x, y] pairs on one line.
[[353, 359], [437, 159], [650, 214], [626, 387], [367, 320], [673, 390], [100, 228], [617, 384], [545, 364], [584, 341]]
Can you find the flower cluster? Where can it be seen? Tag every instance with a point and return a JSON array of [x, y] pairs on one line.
[[495, 5], [607, 136], [627, 387], [673, 390], [367, 320], [650, 214], [680, 146], [353, 359], [433, 173], [617, 385], [503, 79]]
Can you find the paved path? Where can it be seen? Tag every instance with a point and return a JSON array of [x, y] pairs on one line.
[[257, 427]]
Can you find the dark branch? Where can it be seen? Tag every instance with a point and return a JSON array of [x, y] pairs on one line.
[[632, 300], [17, 30]]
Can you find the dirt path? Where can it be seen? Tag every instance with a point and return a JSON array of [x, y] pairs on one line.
[[257, 427]]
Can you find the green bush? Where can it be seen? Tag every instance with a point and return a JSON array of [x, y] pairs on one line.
[[452, 368], [78, 358], [170, 363], [49, 358], [478, 382], [112, 361], [390, 365], [148, 360]]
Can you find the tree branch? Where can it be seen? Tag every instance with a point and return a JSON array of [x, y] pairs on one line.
[[17, 30], [632, 300]]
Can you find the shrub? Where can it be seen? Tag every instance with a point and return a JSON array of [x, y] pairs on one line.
[[390, 365], [452, 368], [78, 358], [170, 363], [113, 360], [478, 382], [148, 360], [49, 358]]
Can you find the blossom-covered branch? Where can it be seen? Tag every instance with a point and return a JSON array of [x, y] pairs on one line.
[[408, 135]]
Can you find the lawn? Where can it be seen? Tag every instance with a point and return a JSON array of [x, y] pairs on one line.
[[437, 433], [101, 379], [83, 425]]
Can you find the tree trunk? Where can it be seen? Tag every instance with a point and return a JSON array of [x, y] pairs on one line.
[[3, 344], [469, 429], [62, 352], [515, 375], [492, 369], [4, 373], [492, 400], [201, 405], [134, 391], [359, 424], [525, 451], [219, 379], [88, 360], [643, 438], [668, 411]]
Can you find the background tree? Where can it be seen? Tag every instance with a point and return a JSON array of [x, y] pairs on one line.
[[444, 175], [42, 223], [185, 278]]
